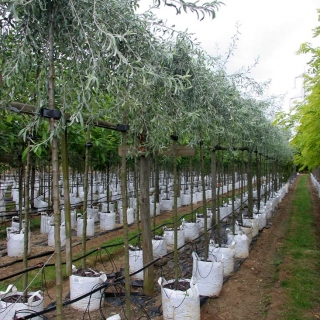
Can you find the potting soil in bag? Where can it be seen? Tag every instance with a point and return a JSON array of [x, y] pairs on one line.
[[11, 304]]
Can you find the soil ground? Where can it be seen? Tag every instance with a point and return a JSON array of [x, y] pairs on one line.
[[253, 292]]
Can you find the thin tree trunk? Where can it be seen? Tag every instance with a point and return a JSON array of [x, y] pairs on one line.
[[136, 192], [85, 202], [205, 214], [148, 273], [125, 224], [55, 170], [258, 161], [66, 197], [213, 186], [175, 216], [233, 195], [108, 186], [49, 188], [156, 190], [250, 189], [218, 199], [26, 226], [33, 180], [20, 192], [91, 184], [192, 185]]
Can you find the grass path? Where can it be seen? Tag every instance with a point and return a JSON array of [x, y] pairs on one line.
[[300, 256]]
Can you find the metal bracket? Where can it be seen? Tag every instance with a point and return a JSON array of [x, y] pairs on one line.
[[122, 127], [48, 113]]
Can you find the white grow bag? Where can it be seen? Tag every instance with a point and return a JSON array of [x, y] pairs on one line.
[[224, 212], [208, 275], [15, 223], [241, 246], [190, 230], [8, 310], [200, 221], [45, 222], [93, 213], [185, 199], [82, 285], [73, 218], [248, 231], [180, 305], [89, 229], [15, 242], [159, 247], [136, 263], [261, 219], [252, 223], [169, 236], [63, 237], [130, 215], [107, 220], [152, 209], [228, 252], [166, 204], [105, 207]]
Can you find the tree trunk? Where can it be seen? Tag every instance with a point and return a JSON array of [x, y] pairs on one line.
[[33, 180], [20, 192], [175, 216], [250, 190], [156, 197], [258, 161], [144, 201], [233, 195], [191, 185], [26, 226], [135, 194], [66, 197], [125, 224], [205, 214], [55, 170], [85, 202], [213, 186], [108, 185]]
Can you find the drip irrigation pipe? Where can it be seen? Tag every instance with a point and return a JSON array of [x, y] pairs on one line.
[[95, 250], [104, 247]]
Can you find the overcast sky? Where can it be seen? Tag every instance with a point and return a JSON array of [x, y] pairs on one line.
[[272, 30]]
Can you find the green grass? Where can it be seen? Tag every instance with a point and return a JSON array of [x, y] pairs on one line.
[[302, 283]]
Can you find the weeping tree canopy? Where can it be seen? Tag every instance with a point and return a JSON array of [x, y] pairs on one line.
[[109, 61]]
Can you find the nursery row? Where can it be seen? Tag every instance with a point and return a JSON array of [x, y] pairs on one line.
[[232, 242]]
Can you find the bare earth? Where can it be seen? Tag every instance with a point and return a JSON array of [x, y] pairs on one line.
[[253, 292]]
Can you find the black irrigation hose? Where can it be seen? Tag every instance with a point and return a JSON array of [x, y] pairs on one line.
[[39, 265], [95, 250], [47, 253], [104, 247]]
